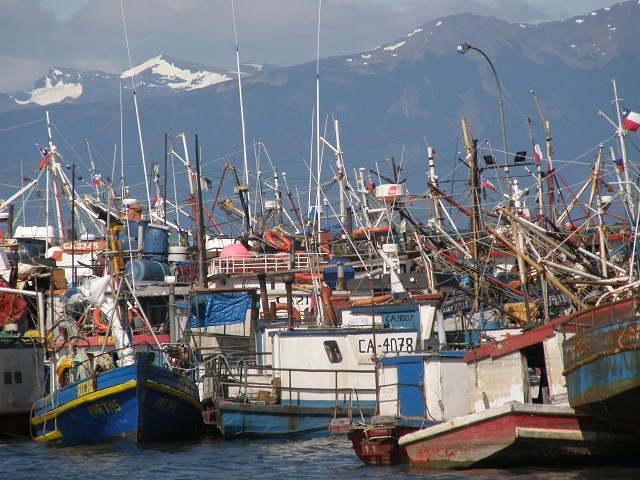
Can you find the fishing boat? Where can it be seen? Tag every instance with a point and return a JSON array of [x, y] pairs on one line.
[[416, 391], [601, 363], [516, 435], [303, 374], [21, 358], [520, 414], [139, 392]]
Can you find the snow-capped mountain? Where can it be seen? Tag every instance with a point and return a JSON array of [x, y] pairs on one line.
[[389, 99], [157, 76]]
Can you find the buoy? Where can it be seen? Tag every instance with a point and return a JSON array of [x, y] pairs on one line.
[[277, 240]]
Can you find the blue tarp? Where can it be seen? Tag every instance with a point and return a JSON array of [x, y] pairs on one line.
[[209, 309]]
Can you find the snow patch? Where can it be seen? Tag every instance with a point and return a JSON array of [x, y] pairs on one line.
[[580, 20], [182, 79], [366, 56], [50, 94], [438, 24], [523, 26], [393, 47], [417, 30]]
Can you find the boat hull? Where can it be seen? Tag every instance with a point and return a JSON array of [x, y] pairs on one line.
[[378, 444], [138, 403], [602, 368], [21, 361], [519, 435], [256, 420]]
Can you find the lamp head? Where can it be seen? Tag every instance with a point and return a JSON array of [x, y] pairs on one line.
[[463, 47]]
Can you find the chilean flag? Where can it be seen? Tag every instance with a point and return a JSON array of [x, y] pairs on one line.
[[630, 120], [537, 154], [487, 184]]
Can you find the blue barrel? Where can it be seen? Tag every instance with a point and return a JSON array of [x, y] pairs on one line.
[[331, 274], [147, 270], [156, 240], [129, 244]]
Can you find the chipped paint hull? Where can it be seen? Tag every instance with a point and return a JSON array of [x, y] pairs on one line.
[[602, 368], [519, 435]]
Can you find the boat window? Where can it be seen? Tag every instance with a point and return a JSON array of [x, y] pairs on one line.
[[17, 377], [7, 378], [333, 351]]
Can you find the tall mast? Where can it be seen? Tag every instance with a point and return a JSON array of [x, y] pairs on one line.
[[549, 152], [623, 149], [244, 141], [52, 167]]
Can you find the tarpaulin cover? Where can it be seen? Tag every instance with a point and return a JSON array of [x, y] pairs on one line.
[[209, 309]]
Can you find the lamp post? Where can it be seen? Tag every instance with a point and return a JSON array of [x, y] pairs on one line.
[[462, 49]]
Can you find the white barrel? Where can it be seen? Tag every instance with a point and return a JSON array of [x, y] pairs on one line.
[[177, 254]]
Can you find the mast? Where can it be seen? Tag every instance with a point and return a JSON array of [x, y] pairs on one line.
[[56, 192], [434, 181], [244, 141], [202, 250], [549, 152], [623, 149]]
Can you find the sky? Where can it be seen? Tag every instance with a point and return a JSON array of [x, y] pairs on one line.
[[90, 35]]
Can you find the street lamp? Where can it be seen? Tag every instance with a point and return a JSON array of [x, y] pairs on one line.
[[462, 49]]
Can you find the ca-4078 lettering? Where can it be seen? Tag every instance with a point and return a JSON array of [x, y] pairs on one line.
[[388, 344]]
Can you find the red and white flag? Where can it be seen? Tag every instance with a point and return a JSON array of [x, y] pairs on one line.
[[487, 184], [537, 154], [630, 120]]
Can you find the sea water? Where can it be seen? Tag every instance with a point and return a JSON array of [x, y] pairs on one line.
[[217, 459]]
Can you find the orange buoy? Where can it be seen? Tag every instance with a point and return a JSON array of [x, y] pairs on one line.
[[368, 231], [367, 301], [277, 240]]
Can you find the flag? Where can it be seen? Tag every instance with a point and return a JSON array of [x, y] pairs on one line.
[[630, 120], [370, 185], [205, 183], [44, 152], [487, 184], [537, 154], [619, 165], [97, 179]]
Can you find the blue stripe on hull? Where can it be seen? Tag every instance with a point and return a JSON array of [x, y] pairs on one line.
[[280, 421], [141, 402]]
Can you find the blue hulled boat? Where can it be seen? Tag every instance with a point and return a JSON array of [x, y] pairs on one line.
[[602, 363], [142, 402]]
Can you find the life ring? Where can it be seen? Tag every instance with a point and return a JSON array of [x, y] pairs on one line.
[[277, 240], [282, 307], [62, 368], [367, 301], [366, 232], [97, 320]]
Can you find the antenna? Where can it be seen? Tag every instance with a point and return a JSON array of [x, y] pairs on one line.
[[244, 141], [135, 102]]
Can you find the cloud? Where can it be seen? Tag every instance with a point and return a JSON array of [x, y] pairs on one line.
[[89, 34]]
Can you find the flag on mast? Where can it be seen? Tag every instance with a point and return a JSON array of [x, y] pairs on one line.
[[487, 184], [630, 120], [537, 154]]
